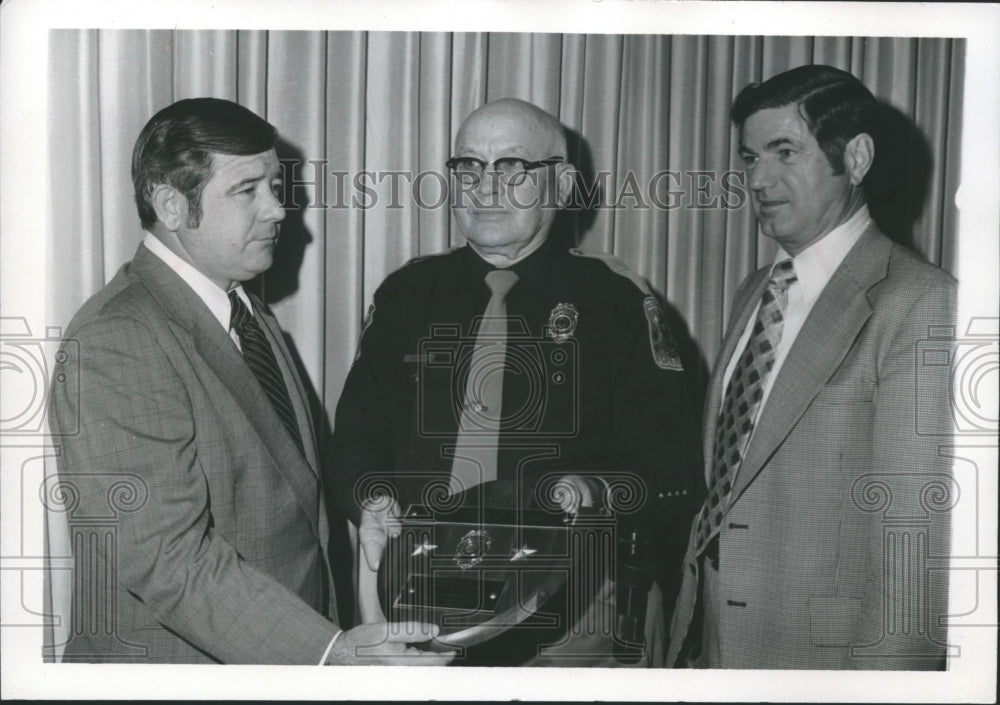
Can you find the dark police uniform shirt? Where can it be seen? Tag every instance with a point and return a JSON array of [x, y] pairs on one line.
[[593, 386]]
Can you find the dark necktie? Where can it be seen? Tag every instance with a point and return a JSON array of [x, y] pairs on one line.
[[744, 392], [476, 448], [259, 356]]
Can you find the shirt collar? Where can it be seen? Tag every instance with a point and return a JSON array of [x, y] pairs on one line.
[[815, 265], [214, 297], [532, 268]]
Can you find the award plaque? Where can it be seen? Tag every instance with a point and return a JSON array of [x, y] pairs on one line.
[[479, 572]]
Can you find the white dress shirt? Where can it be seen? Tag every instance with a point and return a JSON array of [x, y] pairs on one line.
[[214, 297], [814, 267]]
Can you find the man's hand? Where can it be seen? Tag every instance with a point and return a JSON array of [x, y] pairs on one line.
[[386, 644], [379, 521], [572, 492]]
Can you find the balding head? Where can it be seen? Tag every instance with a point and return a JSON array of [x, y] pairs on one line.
[[515, 121], [507, 215]]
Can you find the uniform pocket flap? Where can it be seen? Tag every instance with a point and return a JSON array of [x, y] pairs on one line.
[[832, 619]]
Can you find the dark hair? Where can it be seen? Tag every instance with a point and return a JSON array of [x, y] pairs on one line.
[[176, 145], [835, 105]]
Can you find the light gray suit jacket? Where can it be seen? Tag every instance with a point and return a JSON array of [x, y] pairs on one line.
[[832, 549], [198, 530]]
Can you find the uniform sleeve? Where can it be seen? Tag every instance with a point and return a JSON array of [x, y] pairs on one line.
[[362, 437], [903, 598], [136, 430], [655, 426]]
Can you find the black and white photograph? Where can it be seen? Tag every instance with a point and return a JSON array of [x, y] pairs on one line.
[[437, 340]]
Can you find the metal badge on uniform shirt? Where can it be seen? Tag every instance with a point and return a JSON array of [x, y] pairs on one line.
[[661, 338], [562, 322]]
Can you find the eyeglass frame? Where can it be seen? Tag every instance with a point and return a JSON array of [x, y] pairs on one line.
[[526, 166]]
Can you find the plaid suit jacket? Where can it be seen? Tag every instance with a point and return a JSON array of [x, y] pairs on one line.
[[840, 508], [197, 527]]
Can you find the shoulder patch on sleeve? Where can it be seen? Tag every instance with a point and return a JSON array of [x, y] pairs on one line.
[[364, 326], [662, 343], [661, 339], [617, 266]]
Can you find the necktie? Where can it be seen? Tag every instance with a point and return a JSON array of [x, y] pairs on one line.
[[479, 425], [259, 356], [742, 400]]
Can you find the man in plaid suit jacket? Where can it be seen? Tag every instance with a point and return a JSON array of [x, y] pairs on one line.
[[826, 506], [216, 551]]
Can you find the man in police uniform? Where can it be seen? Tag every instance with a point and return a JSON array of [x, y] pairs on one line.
[[593, 392]]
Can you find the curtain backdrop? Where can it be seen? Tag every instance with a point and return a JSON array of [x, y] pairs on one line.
[[647, 119]]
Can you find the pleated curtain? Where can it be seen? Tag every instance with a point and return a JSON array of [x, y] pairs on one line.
[[384, 102]]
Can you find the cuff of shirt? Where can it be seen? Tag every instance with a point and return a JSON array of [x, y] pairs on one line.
[[329, 648]]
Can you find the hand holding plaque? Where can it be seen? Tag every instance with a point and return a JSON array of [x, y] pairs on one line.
[[379, 521], [386, 644]]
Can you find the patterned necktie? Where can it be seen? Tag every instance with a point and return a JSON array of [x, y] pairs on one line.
[[742, 400], [476, 448], [259, 356]]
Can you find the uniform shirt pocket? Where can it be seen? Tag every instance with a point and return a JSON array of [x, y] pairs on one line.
[[832, 620]]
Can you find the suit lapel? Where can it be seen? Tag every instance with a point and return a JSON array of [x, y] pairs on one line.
[[219, 353], [830, 330], [744, 309]]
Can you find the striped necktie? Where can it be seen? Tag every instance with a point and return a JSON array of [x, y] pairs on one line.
[[260, 357], [477, 448], [744, 392]]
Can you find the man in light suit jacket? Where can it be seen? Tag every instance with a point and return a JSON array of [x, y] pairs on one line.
[[194, 440], [827, 499]]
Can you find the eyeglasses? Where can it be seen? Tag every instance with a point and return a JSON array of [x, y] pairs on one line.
[[509, 170]]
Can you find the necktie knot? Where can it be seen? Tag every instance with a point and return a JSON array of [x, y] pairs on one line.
[[500, 281], [239, 315], [783, 275]]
